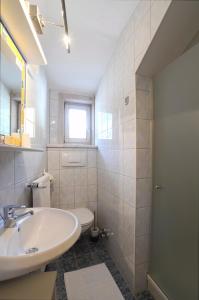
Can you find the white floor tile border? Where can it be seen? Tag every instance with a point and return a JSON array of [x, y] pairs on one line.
[[95, 282]]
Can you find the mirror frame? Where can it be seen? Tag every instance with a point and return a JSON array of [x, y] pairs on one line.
[[4, 33]]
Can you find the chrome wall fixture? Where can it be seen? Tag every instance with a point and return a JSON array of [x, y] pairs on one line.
[[67, 40], [40, 22]]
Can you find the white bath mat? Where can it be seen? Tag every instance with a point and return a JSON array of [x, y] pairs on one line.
[[92, 283]]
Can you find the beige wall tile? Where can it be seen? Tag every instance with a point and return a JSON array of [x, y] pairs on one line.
[[142, 245], [6, 169], [67, 177], [53, 160], [67, 195], [144, 105], [129, 190], [81, 195], [144, 163], [80, 176], [143, 192], [92, 176], [143, 133], [55, 197], [7, 195], [129, 132], [92, 193], [143, 221], [92, 159], [129, 157]]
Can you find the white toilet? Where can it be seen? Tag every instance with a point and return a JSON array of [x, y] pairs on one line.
[[85, 217], [41, 198]]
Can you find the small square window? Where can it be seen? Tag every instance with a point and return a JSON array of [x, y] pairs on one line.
[[77, 123]]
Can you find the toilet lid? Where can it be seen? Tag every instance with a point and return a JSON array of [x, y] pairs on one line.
[[84, 215]]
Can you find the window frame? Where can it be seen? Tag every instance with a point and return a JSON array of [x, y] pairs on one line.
[[88, 108]]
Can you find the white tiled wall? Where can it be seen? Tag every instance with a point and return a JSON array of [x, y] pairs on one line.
[[17, 169], [117, 154], [144, 119], [124, 145], [73, 186]]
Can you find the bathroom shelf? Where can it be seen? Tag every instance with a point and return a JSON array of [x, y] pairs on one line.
[[19, 149], [17, 20]]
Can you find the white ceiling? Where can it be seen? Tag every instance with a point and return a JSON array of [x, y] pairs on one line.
[[94, 28]]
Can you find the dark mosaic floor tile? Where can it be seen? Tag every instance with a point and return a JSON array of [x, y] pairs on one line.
[[145, 295], [69, 266], [124, 289], [111, 266], [60, 287], [61, 293], [85, 261], [69, 254], [128, 296], [95, 260], [120, 281], [80, 253]]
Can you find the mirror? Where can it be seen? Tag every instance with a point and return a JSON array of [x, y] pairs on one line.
[[12, 85]]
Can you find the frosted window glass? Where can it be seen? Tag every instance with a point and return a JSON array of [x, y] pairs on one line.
[[77, 123]]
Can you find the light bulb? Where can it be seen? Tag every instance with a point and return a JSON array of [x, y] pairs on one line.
[[66, 40]]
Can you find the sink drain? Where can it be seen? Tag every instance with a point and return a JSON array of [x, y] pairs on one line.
[[31, 250]]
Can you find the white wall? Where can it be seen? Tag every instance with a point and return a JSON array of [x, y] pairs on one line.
[[124, 161], [17, 169], [73, 186]]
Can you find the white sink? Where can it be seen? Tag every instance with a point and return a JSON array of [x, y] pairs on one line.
[[49, 232]]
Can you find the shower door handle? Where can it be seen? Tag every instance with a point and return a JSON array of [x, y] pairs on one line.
[[158, 187]]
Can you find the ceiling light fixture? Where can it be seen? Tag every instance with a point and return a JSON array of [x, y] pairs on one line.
[[66, 40], [66, 37]]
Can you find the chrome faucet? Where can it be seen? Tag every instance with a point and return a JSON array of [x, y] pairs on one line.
[[10, 217]]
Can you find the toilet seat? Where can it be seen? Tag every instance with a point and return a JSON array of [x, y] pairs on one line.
[[84, 215]]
